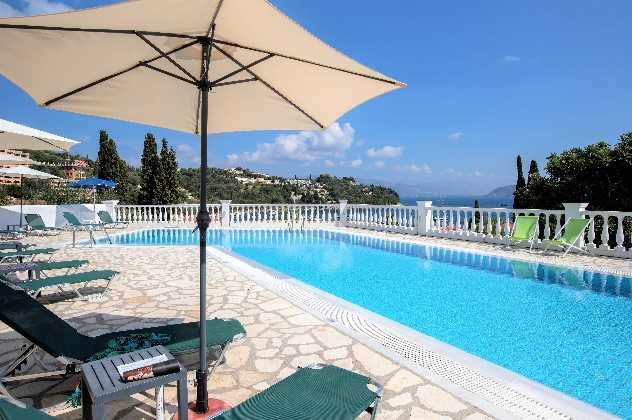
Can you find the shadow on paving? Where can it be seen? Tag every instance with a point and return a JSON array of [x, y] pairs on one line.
[[48, 392]]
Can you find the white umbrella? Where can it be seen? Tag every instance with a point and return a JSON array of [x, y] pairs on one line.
[[17, 136], [25, 172], [155, 62]]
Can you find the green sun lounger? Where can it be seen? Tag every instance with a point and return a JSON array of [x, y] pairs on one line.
[[525, 230], [42, 267], [75, 223], [570, 234], [45, 330], [25, 253], [15, 410], [35, 286], [35, 224], [312, 393], [14, 246], [107, 220]]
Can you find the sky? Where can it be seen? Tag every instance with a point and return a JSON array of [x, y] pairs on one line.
[[486, 80]]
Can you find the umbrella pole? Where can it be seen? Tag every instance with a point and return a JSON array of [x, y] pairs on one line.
[[21, 198], [203, 220]]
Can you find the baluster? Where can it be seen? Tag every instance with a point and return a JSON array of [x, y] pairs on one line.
[[604, 233], [620, 234], [591, 232], [497, 226]]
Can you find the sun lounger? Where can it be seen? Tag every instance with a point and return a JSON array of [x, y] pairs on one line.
[[312, 393], [107, 220], [525, 230], [76, 225], [35, 224], [40, 268], [45, 330], [11, 409], [35, 286], [14, 246], [570, 234], [26, 253]]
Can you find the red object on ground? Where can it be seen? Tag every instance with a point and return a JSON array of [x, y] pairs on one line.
[[214, 406]]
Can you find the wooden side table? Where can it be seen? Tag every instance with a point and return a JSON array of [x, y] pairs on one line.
[[101, 383]]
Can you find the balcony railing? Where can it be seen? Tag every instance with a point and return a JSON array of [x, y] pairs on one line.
[[609, 232]]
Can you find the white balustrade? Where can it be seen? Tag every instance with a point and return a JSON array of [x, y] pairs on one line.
[[609, 233], [383, 218], [491, 225], [169, 213]]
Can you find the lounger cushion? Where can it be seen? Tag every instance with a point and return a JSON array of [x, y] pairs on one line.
[[9, 411], [309, 394], [27, 252], [184, 337], [67, 279]]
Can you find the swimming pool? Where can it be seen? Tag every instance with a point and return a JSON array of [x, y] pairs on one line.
[[563, 327]]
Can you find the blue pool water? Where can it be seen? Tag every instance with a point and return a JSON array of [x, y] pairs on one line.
[[565, 328]]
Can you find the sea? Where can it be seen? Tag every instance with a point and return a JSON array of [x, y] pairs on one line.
[[461, 201]]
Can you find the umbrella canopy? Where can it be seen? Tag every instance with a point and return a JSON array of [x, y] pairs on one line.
[[140, 61], [92, 182], [199, 66], [17, 136], [25, 172], [9, 159]]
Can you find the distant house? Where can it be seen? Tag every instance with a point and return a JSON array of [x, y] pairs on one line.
[[11, 158]]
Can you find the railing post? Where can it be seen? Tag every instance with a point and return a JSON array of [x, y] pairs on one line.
[[577, 210], [424, 217], [110, 207], [343, 212], [225, 213]]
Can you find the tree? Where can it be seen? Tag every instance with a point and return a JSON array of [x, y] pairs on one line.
[[520, 194], [150, 177], [170, 193], [111, 167]]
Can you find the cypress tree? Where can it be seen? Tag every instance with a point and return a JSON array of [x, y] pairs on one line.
[[520, 194], [111, 167], [170, 193], [534, 173], [150, 176]]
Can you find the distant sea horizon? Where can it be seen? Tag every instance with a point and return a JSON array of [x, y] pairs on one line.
[[460, 201]]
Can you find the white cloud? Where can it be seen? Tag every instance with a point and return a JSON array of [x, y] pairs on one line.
[[378, 164], [329, 163], [415, 169], [187, 155], [456, 136], [386, 152], [477, 173], [510, 59], [306, 146], [34, 7], [355, 163]]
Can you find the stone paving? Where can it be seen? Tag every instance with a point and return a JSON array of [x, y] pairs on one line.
[[159, 285]]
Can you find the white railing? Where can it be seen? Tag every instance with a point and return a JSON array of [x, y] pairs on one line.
[[297, 215], [488, 224], [384, 218], [613, 240], [173, 213], [492, 225]]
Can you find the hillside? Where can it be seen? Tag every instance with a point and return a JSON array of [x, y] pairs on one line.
[[244, 186], [501, 192]]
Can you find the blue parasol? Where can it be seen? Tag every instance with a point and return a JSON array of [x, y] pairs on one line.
[[95, 184]]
